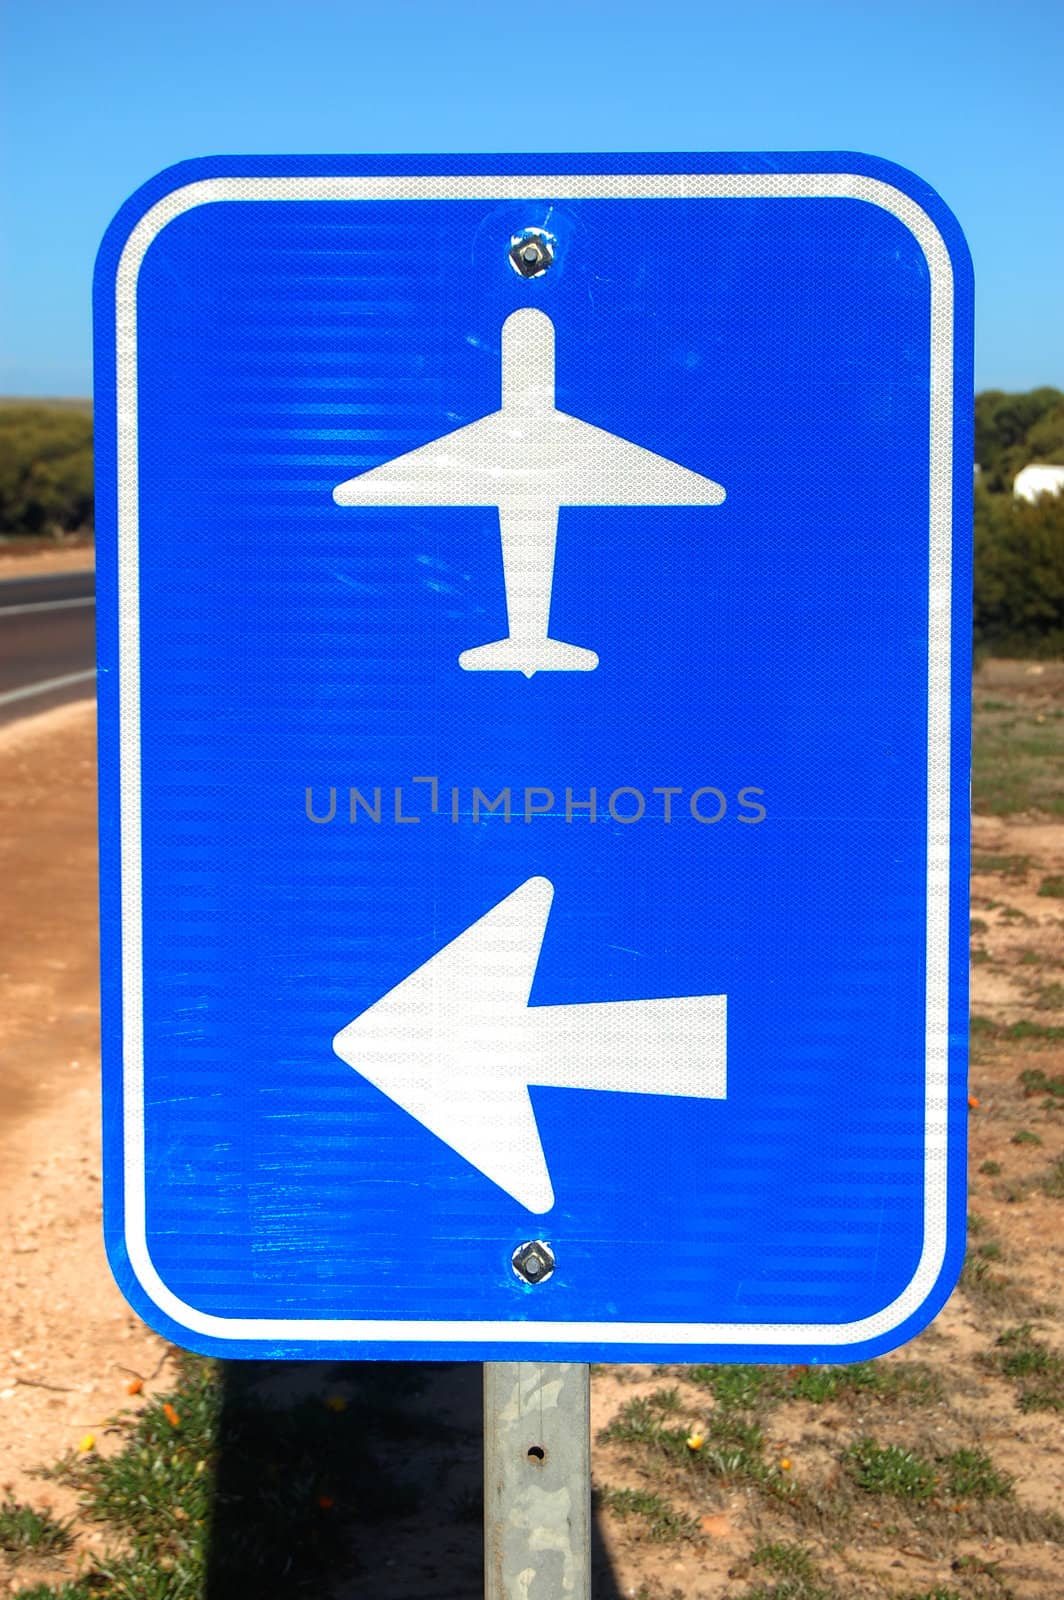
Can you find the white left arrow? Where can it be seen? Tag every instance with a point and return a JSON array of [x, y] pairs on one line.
[[457, 1045]]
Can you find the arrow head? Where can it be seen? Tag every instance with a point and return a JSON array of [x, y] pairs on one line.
[[457, 1045], [449, 1044]]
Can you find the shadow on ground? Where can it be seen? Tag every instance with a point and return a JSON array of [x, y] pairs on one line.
[[353, 1479]]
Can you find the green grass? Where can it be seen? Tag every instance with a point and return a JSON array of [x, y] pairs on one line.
[[890, 1470], [992, 1290], [1052, 1183], [1048, 996], [1052, 887], [1010, 866], [216, 1491], [1025, 1136], [664, 1524], [1017, 760], [965, 1474], [741, 1387], [793, 1575], [990, 1169], [1035, 1081], [731, 1445], [1016, 1032], [1036, 1371], [971, 1475], [751, 1387], [67, 1591], [26, 1531]]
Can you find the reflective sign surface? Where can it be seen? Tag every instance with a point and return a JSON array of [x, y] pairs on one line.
[[534, 754]]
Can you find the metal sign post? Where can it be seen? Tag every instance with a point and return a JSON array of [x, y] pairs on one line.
[[534, 689], [537, 1480]]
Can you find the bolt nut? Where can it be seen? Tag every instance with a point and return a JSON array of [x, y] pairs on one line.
[[533, 1261], [531, 252]]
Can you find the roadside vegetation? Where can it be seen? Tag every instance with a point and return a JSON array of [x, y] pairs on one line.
[[1019, 546], [46, 469]]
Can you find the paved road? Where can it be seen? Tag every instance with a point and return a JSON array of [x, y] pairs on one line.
[[47, 642]]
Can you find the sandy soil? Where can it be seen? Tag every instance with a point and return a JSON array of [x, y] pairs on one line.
[[69, 1345], [37, 558]]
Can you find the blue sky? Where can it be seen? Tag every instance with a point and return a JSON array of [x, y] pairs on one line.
[[96, 97]]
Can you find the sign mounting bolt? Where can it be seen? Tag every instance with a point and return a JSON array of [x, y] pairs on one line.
[[533, 1261], [532, 252]]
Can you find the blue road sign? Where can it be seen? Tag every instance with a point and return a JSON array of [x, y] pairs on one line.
[[534, 681]]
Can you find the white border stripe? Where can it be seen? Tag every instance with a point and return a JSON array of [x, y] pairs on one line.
[[627, 186]]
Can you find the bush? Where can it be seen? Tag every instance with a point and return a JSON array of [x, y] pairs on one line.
[[46, 474]]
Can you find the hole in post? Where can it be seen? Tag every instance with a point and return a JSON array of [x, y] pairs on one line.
[[536, 1452]]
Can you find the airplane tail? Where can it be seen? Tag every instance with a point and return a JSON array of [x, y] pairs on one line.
[[528, 656]]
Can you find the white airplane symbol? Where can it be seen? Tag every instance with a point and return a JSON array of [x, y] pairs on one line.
[[528, 459]]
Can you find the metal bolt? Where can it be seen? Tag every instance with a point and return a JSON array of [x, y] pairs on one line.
[[533, 1261], [531, 252]]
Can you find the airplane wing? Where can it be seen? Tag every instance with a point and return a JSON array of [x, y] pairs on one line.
[[592, 467], [530, 460], [462, 468]]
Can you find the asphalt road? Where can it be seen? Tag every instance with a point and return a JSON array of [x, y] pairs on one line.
[[47, 642]]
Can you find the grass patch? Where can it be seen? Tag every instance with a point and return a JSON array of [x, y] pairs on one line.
[[641, 1421], [26, 1531], [1010, 866], [822, 1383], [1035, 1369], [1025, 1136], [1052, 887], [740, 1387], [1052, 1182], [730, 1444], [990, 1290], [664, 1524], [890, 1470], [971, 1475], [991, 1169], [1018, 760], [1035, 1081], [748, 1388], [1017, 1033], [793, 1575], [216, 1491], [66, 1591], [965, 1474]]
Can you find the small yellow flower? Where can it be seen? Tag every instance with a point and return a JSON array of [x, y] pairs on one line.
[[87, 1441], [696, 1439], [336, 1402], [785, 1464]]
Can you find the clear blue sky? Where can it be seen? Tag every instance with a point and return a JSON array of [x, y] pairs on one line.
[[97, 95]]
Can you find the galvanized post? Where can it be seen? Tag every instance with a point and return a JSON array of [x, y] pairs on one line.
[[537, 1480]]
